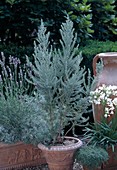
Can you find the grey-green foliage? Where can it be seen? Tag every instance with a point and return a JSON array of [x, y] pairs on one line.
[[18, 112], [19, 118], [59, 79], [91, 156]]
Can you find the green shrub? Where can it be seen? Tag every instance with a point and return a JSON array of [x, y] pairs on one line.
[[15, 50], [20, 18], [104, 19], [81, 15]]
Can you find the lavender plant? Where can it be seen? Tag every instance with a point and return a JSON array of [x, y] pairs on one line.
[[12, 81], [18, 111]]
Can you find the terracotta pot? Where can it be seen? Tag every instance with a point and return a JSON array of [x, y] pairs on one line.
[[112, 162], [85, 168], [61, 157], [107, 76], [19, 155]]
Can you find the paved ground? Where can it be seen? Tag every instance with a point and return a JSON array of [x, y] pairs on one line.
[[44, 167]]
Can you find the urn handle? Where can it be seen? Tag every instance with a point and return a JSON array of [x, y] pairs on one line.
[[102, 55], [95, 59]]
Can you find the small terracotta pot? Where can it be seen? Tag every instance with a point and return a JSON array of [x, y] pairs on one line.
[[85, 168], [61, 157], [112, 162]]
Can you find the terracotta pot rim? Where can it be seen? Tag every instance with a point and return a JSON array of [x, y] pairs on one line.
[[62, 148], [10, 144], [108, 54]]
